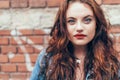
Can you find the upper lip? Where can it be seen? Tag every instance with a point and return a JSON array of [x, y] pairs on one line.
[[79, 35]]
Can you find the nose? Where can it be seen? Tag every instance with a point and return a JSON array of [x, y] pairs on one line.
[[79, 27]]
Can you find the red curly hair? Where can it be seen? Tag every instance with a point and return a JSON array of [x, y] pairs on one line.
[[100, 58]]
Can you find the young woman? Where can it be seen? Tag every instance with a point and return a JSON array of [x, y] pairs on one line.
[[80, 47]]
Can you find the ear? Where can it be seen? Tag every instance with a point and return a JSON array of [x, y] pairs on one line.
[[99, 2]]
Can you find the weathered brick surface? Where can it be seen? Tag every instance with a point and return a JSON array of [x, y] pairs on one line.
[[38, 32], [118, 39], [8, 68], [117, 47], [13, 41], [18, 50], [28, 49], [22, 68], [25, 32], [21, 76], [4, 32], [3, 59], [19, 3], [4, 4], [33, 57], [4, 41], [4, 76], [115, 29], [24, 29], [111, 1], [37, 3], [53, 3], [7, 49], [35, 40], [17, 59]]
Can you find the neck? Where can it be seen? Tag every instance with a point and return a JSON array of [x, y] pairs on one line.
[[80, 51]]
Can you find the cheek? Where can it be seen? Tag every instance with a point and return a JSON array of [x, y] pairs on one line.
[[70, 29], [70, 33], [91, 32]]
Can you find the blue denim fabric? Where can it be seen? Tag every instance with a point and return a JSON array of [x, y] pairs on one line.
[[36, 70], [39, 65]]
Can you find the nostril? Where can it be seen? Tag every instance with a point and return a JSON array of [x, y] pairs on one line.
[[79, 31]]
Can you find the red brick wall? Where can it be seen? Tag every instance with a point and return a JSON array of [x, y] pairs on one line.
[[18, 46], [15, 45], [39, 3]]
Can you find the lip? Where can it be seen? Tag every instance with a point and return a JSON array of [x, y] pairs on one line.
[[79, 36]]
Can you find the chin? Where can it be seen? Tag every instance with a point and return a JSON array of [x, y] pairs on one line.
[[80, 44]]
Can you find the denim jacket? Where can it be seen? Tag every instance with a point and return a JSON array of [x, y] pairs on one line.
[[40, 66]]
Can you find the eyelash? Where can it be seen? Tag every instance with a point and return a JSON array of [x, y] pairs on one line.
[[86, 21], [71, 22]]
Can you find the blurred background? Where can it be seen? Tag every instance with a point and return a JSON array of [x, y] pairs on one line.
[[24, 32]]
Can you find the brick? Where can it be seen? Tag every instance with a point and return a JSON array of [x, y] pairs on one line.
[[116, 39], [111, 1], [3, 58], [33, 64], [5, 32], [8, 68], [16, 76], [3, 41], [115, 29], [29, 74], [22, 68], [119, 57], [117, 47], [99, 2], [39, 32], [37, 3], [25, 32], [7, 49], [4, 4], [19, 3], [28, 49], [17, 59], [33, 57], [20, 42], [46, 39], [37, 50], [4, 76], [35, 40], [53, 3]]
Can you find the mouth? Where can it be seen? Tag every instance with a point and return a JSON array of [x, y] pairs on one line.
[[80, 36]]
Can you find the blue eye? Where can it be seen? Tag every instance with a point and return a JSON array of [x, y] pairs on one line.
[[71, 22], [87, 20]]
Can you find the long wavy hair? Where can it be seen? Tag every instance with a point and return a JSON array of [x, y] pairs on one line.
[[101, 57]]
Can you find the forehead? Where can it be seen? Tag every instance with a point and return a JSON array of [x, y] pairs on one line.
[[78, 9]]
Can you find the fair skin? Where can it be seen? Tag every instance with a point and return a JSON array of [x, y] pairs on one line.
[[81, 27]]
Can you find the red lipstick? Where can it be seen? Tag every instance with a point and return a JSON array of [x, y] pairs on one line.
[[79, 36]]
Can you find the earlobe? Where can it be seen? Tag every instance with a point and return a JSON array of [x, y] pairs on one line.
[[99, 2]]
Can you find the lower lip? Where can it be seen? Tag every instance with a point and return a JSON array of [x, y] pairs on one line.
[[80, 37]]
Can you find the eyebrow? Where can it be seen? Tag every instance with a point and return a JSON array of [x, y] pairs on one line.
[[71, 18], [83, 17], [89, 16]]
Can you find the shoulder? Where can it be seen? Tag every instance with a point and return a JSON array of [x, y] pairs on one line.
[[42, 54], [43, 58], [37, 68]]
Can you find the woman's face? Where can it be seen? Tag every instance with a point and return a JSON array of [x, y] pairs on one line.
[[81, 23]]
